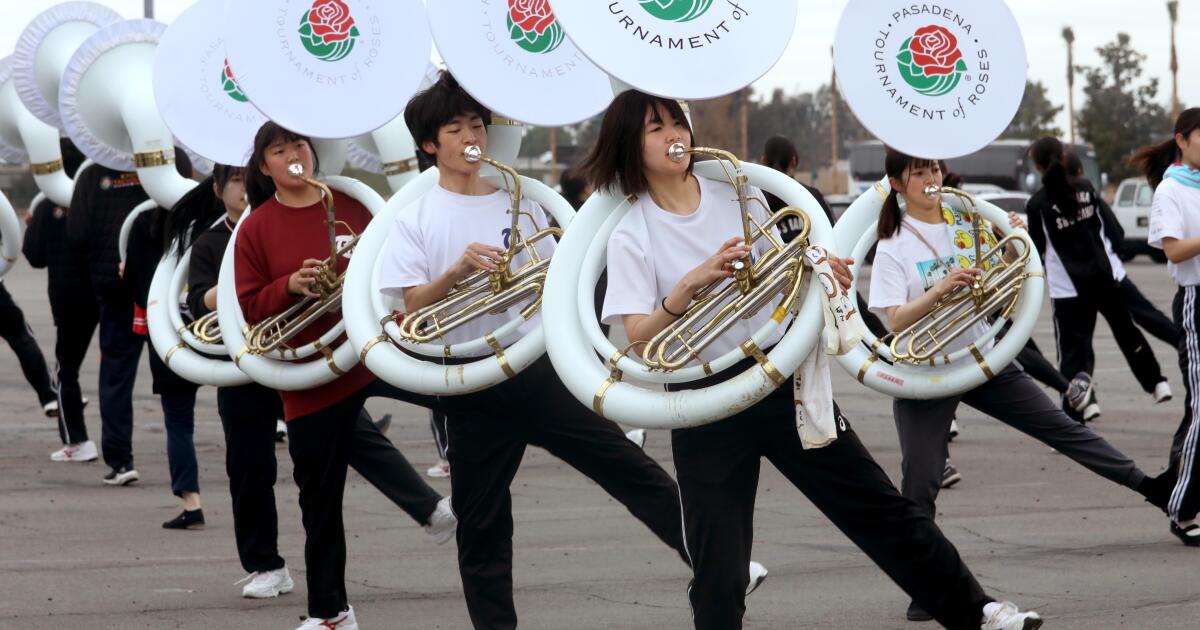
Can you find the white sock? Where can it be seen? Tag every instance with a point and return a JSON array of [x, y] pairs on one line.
[[989, 610]]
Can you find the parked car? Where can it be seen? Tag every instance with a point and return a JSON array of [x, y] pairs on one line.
[[1008, 201], [1132, 207]]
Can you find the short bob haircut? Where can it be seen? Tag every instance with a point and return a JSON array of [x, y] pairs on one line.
[[615, 162], [431, 109]]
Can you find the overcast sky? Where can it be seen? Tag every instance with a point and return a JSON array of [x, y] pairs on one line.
[[807, 64]]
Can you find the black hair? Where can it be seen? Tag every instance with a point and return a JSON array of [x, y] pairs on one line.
[[72, 157], [1073, 163], [894, 165], [159, 216], [1049, 155], [199, 208], [615, 162], [431, 109], [259, 186], [779, 153], [949, 178], [1155, 159], [573, 184]]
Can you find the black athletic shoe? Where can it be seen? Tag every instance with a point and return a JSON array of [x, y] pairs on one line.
[[916, 613], [1157, 491], [1190, 535], [122, 476], [187, 519]]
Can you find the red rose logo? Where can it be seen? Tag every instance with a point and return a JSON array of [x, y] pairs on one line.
[[935, 50], [330, 20], [531, 16]]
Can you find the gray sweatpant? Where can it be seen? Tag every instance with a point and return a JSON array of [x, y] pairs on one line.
[[1013, 398]]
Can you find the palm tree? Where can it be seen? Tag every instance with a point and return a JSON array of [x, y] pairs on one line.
[[1069, 35], [1173, 11]]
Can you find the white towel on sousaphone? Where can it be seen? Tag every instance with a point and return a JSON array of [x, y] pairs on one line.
[[844, 328]]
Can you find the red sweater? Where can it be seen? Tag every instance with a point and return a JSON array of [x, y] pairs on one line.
[[273, 242]]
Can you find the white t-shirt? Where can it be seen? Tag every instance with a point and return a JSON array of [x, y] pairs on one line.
[[905, 269], [1176, 214], [652, 249], [1061, 285], [432, 233]]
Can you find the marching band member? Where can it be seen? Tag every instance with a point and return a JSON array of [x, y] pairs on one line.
[[176, 395], [676, 239], [276, 261], [451, 231], [73, 309], [916, 265], [248, 412], [1173, 169], [1083, 271]]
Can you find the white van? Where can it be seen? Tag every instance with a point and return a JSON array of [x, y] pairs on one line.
[[1132, 207]]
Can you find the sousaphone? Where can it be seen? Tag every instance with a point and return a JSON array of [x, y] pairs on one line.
[[965, 77]]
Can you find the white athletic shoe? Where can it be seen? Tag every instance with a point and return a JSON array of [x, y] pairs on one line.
[[344, 621], [637, 436], [758, 573], [442, 523], [280, 430], [1006, 616], [82, 452], [268, 584], [50, 409], [1162, 392], [953, 430], [440, 470]]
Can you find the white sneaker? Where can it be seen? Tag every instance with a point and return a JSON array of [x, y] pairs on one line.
[[442, 523], [1006, 616], [267, 584], [82, 452], [637, 436], [440, 470], [344, 621], [50, 409], [280, 430], [1162, 392], [758, 573], [953, 430]]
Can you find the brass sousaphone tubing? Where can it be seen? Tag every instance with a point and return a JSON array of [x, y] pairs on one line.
[[715, 308], [485, 292]]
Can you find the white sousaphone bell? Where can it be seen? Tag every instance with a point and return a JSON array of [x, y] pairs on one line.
[[269, 358], [107, 105], [26, 137], [10, 235]]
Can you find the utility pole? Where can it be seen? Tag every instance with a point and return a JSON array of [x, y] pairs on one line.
[[833, 129], [1069, 35], [745, 122], [1173, 11], [149, 9]]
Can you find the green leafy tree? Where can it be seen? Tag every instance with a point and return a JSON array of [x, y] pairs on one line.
[[1121, 112], [1036, 116]]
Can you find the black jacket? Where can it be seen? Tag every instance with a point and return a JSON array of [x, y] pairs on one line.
[[1077, 241], [102, 199], [205, 265], [45, 247], [144, 250]]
